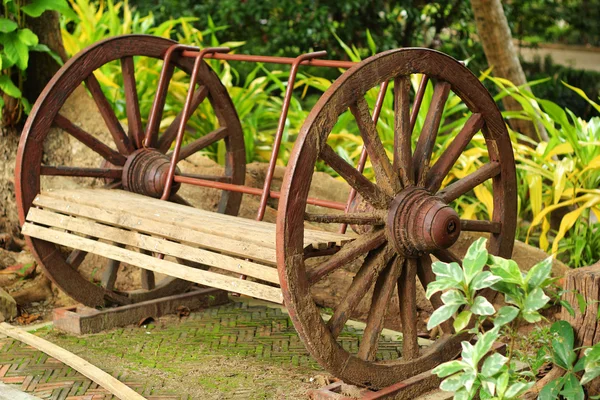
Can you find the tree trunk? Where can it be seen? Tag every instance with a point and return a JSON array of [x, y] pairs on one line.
[[41, 68], [586, 282], [495, 36]]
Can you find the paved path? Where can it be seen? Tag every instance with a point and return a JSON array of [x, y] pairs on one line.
[[238, 350]]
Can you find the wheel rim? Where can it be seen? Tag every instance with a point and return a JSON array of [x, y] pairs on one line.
[[410, 218], [126, 153]]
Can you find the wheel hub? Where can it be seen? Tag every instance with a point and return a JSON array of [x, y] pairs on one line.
[[419, 223], [145, 172]]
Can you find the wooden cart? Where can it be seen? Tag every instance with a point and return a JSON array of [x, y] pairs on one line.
[[125, 205]]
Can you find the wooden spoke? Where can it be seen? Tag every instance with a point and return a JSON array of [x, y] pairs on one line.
[[358, 181], [418, 100], [158, 106], [164, 142], [114, 298], [444, 164], [384, 173], [110, 119], [109, 277], [132, 106], [90, 141], [374, 263], [422, 155], [202, 143], [147, 277], [426, 276], [76, 257], [107, 173], [384, 288], [447, 256], [462, 186], [407, 294], [403, 129], [480, 226], [348, 253], [366, 218]]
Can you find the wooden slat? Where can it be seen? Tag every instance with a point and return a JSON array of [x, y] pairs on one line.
[[169, 231], [153, 244], [241, 229], [155, 264], [108, 382]]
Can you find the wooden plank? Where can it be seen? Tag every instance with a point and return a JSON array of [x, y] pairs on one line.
[[119, 389], [82, 320], [155, 264], [153, 244], [169, 231], [258, 232]]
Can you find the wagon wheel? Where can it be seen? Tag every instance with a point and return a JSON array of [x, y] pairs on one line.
[[409, 218], [121, 161]]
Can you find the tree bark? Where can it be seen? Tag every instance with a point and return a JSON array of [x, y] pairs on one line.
[[40, 69], [495, 36], [42, 66]]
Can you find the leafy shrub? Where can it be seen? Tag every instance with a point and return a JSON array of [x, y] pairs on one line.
[[17, 42], [481, 372], [555, 179]]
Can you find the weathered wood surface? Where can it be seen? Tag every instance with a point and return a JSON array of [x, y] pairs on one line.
[[585, 282], [212, 279]]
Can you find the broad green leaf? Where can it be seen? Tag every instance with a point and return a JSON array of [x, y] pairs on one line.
[[590, 374], [481, 306], [15, 50], [535, 300], [453, 383], [508, 270], [453, 297], [506, 315], [448, 270], [539, 273], [442, 314], [449, 368], [551, 390], [475, 259], [439, 285], [45, 49], [502, 383], [8, 87], [469, 378], [462, 394], [7, 25], [572, 389], [493, 364], [27, 37], [563, 343], [484, 345], [484, 280], [37, 7], [531, 316], [517, 389], [462, 320]]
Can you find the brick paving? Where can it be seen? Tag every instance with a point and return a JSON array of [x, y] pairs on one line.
[[259, 332]]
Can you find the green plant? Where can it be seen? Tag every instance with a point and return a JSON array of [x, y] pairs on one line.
[[482, 372], [17, 42]]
